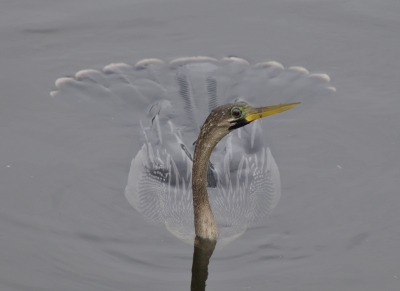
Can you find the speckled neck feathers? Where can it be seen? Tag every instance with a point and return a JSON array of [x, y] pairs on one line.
[[214, 129]]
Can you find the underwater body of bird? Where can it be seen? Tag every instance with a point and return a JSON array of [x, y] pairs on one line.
[[166, 105]]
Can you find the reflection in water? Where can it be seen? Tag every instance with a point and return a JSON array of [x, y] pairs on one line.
[[203, 250], [166, 104]]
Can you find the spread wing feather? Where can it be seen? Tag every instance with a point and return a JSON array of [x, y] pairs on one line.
[[166, 105]]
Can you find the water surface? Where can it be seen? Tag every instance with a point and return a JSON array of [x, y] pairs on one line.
[[64, 221]]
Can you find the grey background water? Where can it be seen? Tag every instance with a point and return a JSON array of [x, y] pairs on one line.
[[64, 221]]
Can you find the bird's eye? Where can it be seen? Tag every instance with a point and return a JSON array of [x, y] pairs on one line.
[[236, 112]]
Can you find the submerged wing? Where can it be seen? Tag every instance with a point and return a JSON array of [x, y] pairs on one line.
[[166, 105]]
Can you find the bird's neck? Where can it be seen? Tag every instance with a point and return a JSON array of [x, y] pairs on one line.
[[204, 222]]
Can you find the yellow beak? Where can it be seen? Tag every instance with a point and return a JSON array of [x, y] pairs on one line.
[[260, 112]]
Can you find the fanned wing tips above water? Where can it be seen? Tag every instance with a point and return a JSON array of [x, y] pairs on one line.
[[166, 105], [193, 85], [110, 93]]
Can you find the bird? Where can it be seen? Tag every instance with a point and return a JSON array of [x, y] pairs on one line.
[[219, 123], [167, 106]]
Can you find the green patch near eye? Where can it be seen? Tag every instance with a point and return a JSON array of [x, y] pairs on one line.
[[236, 112]]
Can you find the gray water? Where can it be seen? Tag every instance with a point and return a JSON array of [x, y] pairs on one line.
[[65, 223]]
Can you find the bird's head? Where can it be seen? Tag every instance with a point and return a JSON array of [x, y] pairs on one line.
[[228, 117], [242, 113], [234, 115]]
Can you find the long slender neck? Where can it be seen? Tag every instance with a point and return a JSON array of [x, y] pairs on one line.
[[204, 222]]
